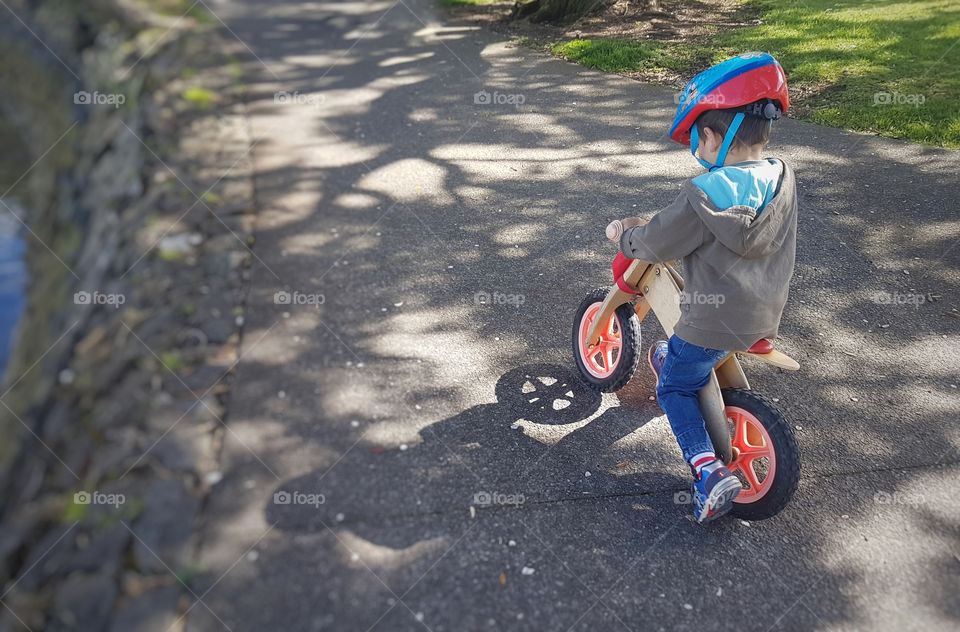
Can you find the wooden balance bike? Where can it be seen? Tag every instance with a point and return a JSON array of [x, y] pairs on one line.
[[748, 432]]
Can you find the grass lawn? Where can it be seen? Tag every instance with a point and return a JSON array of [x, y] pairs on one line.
[[886, 66]]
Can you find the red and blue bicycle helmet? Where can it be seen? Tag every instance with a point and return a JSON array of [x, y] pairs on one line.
[[753, 82]]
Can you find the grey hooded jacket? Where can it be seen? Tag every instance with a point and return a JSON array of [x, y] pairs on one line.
[[736, 265]]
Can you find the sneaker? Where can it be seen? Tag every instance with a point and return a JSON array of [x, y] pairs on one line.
[[714, 491], [656, 356]]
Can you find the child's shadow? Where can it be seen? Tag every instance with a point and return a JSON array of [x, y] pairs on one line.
[[539, 440]]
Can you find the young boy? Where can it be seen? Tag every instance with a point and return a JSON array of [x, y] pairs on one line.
[[735, 227]]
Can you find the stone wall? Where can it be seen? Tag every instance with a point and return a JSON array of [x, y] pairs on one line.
[[138, 216]]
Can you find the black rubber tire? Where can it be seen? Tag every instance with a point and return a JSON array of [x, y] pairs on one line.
[[629, 351], [787, 475]]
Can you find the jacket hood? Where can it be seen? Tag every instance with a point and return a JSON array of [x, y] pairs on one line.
[[738, 227]]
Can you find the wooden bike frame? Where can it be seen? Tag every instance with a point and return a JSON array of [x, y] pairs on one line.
[[660, 286]]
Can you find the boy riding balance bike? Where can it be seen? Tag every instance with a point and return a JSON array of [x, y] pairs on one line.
[[734, 228]]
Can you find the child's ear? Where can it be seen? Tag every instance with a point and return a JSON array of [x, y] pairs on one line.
[[712, 138]]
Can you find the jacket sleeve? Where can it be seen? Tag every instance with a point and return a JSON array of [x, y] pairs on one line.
[[673, 233]]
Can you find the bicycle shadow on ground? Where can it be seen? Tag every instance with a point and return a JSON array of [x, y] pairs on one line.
[[547, 438]]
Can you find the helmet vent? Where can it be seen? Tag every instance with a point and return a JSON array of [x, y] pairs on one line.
[[765, 109]]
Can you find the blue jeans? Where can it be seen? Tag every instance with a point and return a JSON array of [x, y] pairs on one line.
[[685, 371]]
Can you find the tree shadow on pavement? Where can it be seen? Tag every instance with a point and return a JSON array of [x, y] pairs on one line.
[[536, 444], [399, 199]]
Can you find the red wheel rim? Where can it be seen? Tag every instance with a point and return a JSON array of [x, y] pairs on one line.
[[600, 360], [754, 458]]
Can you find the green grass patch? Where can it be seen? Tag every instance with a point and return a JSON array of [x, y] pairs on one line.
[[886, 66], [200, 97], [211, 198], [617, 55], [170, 256], [173, 360]]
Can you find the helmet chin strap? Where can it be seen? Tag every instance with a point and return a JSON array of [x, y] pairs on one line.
[[724, 146]]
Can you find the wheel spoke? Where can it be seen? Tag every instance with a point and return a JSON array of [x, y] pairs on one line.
[[753, 452], [740, 437], [595, 355], [608, 355], [751, 475], [588, 323], [741, 432]]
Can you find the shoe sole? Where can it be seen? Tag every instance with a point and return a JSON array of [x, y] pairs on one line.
[[721, 499], [650, 363]]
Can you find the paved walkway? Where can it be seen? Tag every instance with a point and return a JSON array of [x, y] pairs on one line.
[[408, 167]]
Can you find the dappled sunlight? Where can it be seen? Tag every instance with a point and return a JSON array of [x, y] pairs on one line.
[[446, 330], [309, 243], [424, 115], [296, 195], [513, 253], [353, 100], [519, 234], [405, 59], [546, 164], [882, 543], [933, 235], [356, 201], [453, 238], [290, 212], [550, 433], [318, 60], [394, 434], [386, 558], [472, 192], [342, 154], [409, 180], [401, 79], [349, 392], [356, 8], [364, 33], [547, 125], [437, 31]]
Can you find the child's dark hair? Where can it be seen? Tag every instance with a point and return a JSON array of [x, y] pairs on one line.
[[754, 130]]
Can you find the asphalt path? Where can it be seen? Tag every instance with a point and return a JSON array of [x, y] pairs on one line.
[[431, 208]]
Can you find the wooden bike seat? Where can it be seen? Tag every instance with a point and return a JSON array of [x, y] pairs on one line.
[[763, 350]]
